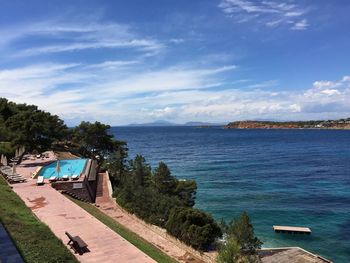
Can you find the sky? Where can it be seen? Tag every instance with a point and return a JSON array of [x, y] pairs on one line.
[[139, 61]]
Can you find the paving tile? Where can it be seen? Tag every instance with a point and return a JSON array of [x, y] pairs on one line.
[[61, 215]]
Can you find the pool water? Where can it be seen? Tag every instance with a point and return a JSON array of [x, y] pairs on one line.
[[67, 167]]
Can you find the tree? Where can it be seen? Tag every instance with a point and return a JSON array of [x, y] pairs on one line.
[[229, 252], [159, 198], [194, 227], [94, 140], [36, 130], [26, 125], [141, 170], [164, 182], [117, 164], [241, 229], [186, 191]]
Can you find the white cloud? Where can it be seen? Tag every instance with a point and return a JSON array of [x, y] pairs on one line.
[[75, 36], [177, 40], [346, 78], [133, 89], [300, 25], [331, 92], [98, 89], [113, 64], [322, 84], [120, 92], [270, 13]]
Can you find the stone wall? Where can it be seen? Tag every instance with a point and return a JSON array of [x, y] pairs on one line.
[[77, 188]]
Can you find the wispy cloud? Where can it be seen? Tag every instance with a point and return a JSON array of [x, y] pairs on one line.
[[300, 25], [269, 13], [56, 37], [178, 93], [71, 89]]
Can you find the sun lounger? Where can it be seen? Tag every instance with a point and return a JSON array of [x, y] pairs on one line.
[[5, 169], [16, 180], [75, 177], [13, 176], [40, 180], [77, 244], [65, 177], [53, 178]]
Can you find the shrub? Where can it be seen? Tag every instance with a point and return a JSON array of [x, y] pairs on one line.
[[194, 227]]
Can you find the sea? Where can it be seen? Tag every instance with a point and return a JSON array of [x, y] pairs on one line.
[[280, 177]]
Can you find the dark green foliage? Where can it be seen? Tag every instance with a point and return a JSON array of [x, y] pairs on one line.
[[230, 252], [117, 164], [35, 129], [164, 182], [26, 125], [7, 149], [141, 171], [153, 197], [240, 243], [93, 139], [193, 227], [242, 230], [186, 192], [138, 194]]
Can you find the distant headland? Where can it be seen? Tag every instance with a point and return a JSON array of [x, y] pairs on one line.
[[320, 124]]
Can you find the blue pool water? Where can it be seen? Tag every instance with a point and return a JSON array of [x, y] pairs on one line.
[[280, 177], [68, 167]]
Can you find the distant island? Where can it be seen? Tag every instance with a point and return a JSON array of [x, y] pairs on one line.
[[320, 124]]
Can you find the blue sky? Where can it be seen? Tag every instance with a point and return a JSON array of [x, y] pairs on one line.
[[133, 61]]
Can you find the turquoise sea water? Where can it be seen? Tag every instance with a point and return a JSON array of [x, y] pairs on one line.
[[67, 167], [280, 177]]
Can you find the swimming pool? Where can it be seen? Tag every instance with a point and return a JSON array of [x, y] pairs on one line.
[[67, 167]]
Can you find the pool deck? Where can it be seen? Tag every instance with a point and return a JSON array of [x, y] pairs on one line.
[[61, 215]]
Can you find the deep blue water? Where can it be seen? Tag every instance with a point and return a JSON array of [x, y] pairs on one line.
[[280, 177]]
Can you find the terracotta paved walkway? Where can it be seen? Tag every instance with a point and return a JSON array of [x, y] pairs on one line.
[[61, 215], [152, 234]]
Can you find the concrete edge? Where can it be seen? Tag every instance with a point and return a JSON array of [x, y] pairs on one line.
[[109, 184], [308, 252]]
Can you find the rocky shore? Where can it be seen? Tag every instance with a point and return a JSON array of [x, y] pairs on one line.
[[329, 124]]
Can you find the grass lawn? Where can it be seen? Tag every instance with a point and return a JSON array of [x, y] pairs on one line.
[[134, 239], [33, 239]]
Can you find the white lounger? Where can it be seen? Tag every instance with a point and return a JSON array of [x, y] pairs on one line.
[[40, 180], [75, 177], [53, 178], [65, 177], [16, 180]]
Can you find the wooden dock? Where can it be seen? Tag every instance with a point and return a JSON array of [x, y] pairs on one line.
[[292, 229]]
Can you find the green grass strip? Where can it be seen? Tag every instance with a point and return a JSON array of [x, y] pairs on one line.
[[130, 236], [33, 239]]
